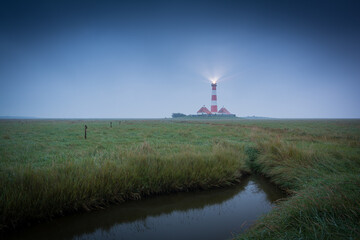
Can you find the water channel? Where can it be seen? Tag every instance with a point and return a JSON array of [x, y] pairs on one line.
[[212, 214]]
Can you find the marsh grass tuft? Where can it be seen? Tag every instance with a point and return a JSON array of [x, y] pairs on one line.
[[6, 136], [325, 187], [30, 193]]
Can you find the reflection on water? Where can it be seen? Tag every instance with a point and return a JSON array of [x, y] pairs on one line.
[[214, 214]]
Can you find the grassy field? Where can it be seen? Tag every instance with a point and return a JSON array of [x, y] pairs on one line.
[[48, 169]]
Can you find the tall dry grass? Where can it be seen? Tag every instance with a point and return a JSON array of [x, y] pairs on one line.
[[325, 189], [29, 194]]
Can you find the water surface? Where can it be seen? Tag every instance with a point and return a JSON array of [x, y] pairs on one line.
[[213, 214]]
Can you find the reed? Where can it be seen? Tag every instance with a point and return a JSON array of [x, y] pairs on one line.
[[31, 194], [324, 188]]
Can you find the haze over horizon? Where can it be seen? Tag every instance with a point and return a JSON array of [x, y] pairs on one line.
[[149, 59]]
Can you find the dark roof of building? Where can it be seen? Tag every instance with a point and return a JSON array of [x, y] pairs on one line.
[[223, 110], [204, 110]]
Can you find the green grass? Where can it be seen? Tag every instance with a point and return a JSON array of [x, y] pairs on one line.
[[323, 177], [48, 169]]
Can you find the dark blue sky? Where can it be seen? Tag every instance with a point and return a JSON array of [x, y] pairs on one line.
[[152, 58]]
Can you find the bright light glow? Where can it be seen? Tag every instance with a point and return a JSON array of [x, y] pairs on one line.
[[213, 80], [215, 75]]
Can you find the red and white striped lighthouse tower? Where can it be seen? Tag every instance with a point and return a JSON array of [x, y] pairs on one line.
[[213, 99]]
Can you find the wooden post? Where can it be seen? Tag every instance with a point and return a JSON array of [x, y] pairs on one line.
[[85, 131], [111, 124]]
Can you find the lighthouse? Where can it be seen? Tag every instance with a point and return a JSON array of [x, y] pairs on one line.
[[214, 109], [223, 112]]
